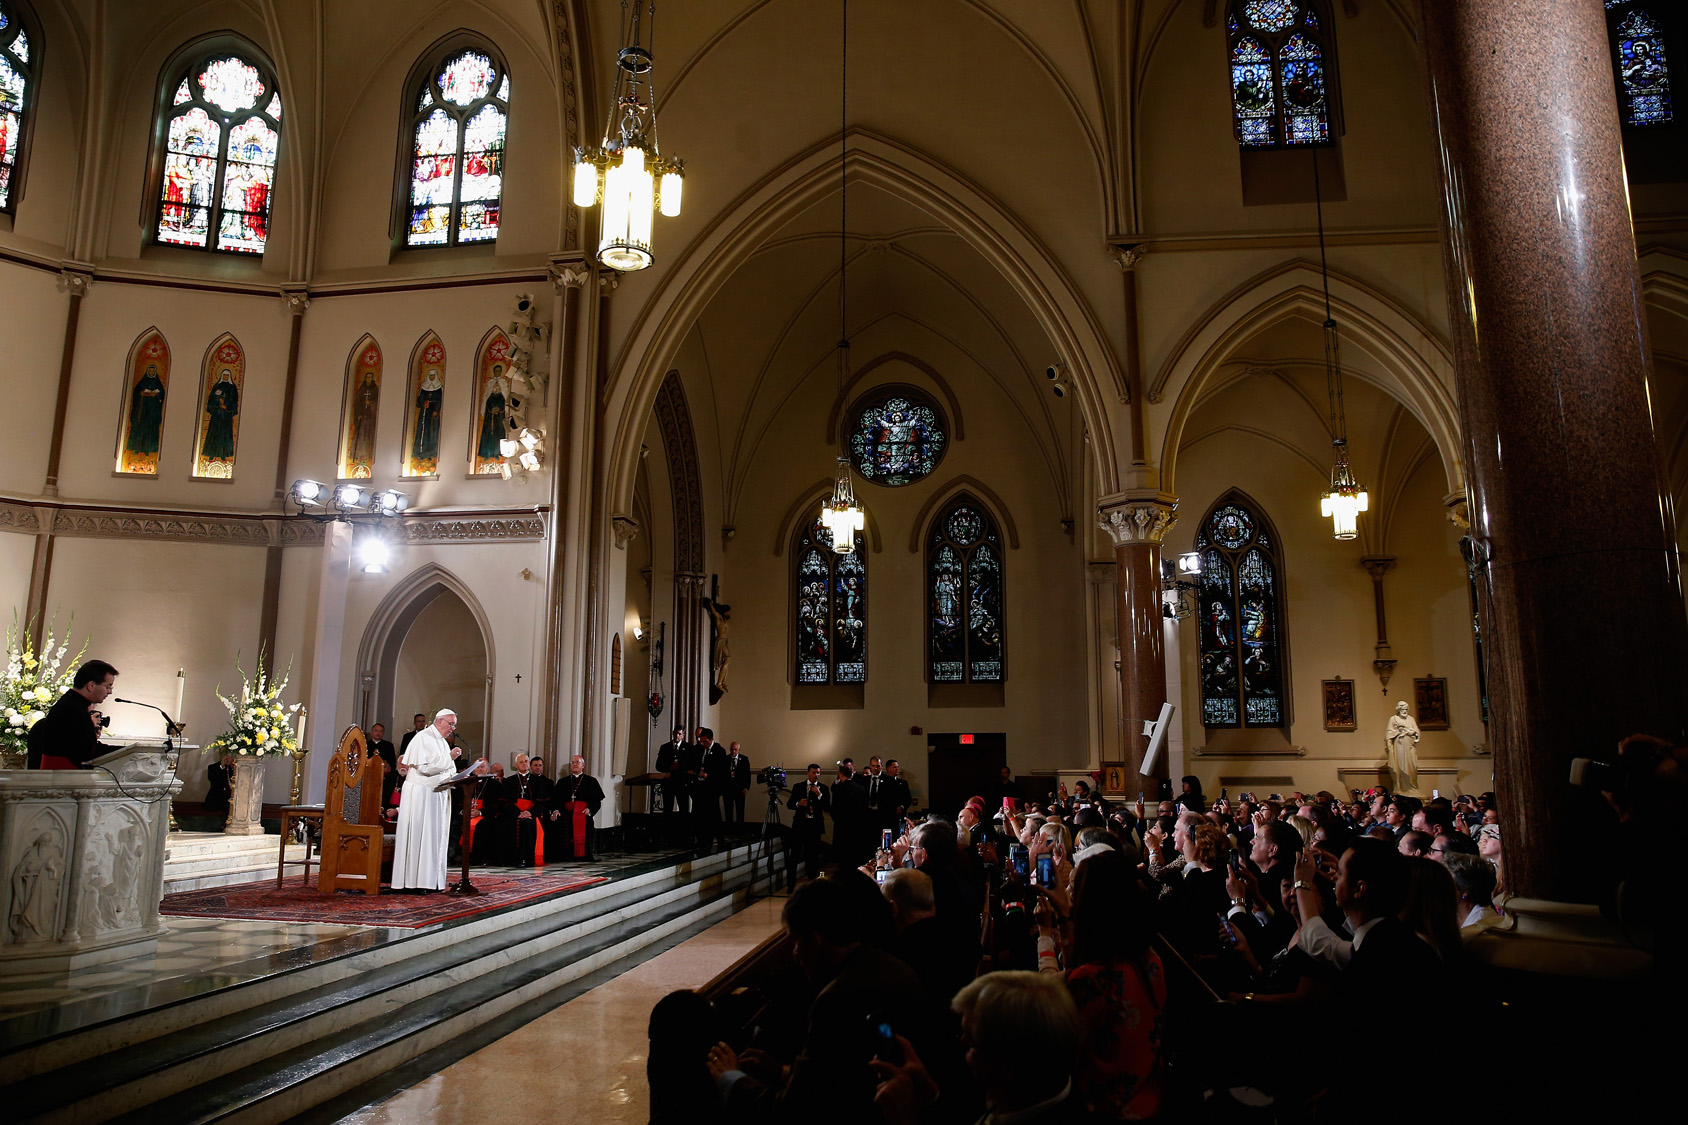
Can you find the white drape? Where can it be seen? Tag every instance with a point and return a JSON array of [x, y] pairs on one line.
[[424, 815]]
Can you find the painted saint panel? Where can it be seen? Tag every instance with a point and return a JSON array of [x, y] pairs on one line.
[[360, 411], [493, 405], [424, 407], [140, 425], [221, 385]]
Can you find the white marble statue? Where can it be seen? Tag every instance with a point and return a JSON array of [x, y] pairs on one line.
[[424, 828], [35, 889], [1401, 748]]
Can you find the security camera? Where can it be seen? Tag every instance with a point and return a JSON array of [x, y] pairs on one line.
[[1060, 389], [523, 302], [1052, 372]]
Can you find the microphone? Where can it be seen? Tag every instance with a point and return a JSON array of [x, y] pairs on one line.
[[171, 728]]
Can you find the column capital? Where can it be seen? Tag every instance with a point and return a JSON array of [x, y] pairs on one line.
[[1128, 254], [568, 271], [75, 277], [298, 299], [1378, 565], [693, 582], [625, 528], [1137, 516], [1458, 509]]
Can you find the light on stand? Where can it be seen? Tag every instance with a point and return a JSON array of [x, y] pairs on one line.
[[309, 492], [373, 554]]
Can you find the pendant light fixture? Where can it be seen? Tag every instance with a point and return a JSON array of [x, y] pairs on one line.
[[1345, 500], [627, 171], [840, 513]]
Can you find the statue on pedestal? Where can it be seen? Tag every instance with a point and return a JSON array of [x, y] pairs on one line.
[[1401, 748]]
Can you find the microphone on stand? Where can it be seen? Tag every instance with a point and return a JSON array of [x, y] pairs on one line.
[[172, 729]]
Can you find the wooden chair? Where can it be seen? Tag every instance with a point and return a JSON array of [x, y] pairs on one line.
[[353, 829]]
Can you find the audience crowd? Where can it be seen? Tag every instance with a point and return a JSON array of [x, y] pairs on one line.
[[1014, 966]]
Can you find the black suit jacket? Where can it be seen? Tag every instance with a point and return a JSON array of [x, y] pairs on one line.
[[713, 779], [668, 756], [901, 798], [388, 754], [688, 765], [65, 730], [738, 774], [1391, 960], [811, 818]]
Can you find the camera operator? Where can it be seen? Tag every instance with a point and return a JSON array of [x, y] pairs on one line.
[[68, 737]]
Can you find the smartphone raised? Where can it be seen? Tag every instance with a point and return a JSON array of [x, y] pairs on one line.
[[1021, 860], [1046, 870], [884, 1038]]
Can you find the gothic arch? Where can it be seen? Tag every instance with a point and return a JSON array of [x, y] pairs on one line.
[[732, 238], [383, 637], [981, 492], [1417, 364]]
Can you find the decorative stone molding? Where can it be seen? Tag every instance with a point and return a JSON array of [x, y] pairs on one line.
[[185, 528], [16, 517], [568, 273], [1137, 517], [1459, 512], [1377, 566], [1128, 254], [625, 529], [74, 278], [297, 300], [299, 533], [447, 529], [562, 10]]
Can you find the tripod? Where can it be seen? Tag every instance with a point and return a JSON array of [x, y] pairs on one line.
[[772, 828]]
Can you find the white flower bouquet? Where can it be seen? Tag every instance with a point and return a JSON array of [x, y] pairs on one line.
[[32, 682], [259, 722]]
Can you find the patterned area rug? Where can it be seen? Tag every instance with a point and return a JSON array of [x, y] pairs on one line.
[[294, 902]]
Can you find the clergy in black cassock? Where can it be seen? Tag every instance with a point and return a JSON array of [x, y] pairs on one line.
[[521, 813], [574, 802]]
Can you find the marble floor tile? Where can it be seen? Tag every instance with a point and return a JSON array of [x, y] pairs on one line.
[[601, 1033]]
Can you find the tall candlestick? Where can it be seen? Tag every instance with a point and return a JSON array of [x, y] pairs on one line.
[[303, 715], [181, 693]]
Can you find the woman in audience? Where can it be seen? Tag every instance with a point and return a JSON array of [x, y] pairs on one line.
[[1432, 909], [1488, 846], [1200, 898]]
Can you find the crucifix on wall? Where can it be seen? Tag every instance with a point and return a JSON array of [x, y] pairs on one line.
[[720, 614]]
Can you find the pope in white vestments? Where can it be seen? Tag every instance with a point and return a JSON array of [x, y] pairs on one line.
[[424, 814]]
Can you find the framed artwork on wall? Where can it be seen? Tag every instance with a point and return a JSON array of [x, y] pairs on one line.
[[1430, 698], [1339, 705]]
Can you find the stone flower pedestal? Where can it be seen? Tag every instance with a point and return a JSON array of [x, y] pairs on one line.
[[246, 805]]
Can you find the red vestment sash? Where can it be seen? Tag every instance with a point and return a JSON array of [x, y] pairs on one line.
[[525, 805], [56, 762], [576, 812]]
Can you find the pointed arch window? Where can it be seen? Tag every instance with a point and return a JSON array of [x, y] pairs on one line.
[[458, 107], [219, 128], [1281, 69], [830, 619], [964, 590], [1241, 614], [1642, 54], [20, 61]]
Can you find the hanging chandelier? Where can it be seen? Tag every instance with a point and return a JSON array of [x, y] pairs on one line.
[[627, 171], [1345, 500], [840, 513]]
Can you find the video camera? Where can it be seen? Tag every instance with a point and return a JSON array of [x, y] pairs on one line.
[[773, 777]]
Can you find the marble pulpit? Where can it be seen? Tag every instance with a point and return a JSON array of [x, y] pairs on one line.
[[82, 859]]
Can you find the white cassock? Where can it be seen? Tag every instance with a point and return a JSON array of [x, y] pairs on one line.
[[424, 815]]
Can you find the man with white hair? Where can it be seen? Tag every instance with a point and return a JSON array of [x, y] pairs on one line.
[[424, 812]]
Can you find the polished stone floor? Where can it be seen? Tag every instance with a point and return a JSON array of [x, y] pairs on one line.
[[601, 1034]]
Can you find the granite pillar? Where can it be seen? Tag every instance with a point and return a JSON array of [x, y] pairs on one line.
[[1571, 522], [1137, 524]]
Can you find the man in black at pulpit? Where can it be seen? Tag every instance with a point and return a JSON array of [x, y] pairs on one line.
[[66, 738], [574, 802]]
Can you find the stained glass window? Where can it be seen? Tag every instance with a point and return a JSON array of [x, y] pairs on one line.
[[831, 610], [896, 438], [457, 160], [1643, 65], [1279, 85], [964, 589], [219, 157], [1240, 610], [17, 100]]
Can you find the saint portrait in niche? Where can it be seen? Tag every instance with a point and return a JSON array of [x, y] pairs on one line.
[[495, 405], [222, 409], [146, 423], [361, 411], [495, 426], [424, 410], [425, 447], [364, 404]]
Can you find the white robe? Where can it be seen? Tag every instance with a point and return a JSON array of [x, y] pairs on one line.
[[424, 815]]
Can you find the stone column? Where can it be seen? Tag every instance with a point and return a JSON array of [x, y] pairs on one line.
[[686, 648], [1137, 522], [1569, 514]]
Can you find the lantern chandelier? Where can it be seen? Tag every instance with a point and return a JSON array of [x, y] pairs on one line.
[[1345, 500], [627, 170], [841, 515]]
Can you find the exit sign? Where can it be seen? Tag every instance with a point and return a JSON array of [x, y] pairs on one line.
[[967, 740]]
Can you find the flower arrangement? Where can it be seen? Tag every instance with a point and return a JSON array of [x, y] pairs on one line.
[[33, 680], [259, 722]]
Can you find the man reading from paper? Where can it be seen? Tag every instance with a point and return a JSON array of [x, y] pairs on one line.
[[424, 813]]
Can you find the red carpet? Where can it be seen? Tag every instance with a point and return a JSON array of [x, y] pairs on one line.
[[264, 902]]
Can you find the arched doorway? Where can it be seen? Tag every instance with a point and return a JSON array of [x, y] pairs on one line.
[[427, 647]]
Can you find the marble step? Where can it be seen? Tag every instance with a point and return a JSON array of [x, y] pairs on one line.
[[184, 845], [226, 876], [92, 1028], [208, 862], [565, 938]]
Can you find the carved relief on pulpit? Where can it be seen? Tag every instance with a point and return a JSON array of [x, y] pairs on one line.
[[36, 884]]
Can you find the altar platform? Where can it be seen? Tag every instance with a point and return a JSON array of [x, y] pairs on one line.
[[230, 1019]]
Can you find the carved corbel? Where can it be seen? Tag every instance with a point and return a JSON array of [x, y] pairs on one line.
[[625, 528], [74, 278], [1129, 518]]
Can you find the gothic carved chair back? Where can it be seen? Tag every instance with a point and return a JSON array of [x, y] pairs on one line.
[[352, 825]]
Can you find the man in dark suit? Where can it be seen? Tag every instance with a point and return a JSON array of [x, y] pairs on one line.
[[711, 788], [895, 803], [66, 737], [850, 827], [418, 724], [738, 784], [220, 775], [809, 803], [872, 781], [668, 755], [378, 744]]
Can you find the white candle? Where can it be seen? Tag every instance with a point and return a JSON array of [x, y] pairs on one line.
[[181, 693], [303, 715]]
